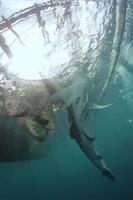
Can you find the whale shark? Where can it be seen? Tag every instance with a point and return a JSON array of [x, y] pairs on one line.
[[35, 108]]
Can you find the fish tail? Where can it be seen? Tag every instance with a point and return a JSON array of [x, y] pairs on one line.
[[109, 174]]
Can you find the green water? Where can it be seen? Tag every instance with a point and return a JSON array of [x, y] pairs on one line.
[[65, 173]]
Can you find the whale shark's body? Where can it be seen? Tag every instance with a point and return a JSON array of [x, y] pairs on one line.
[[34, 105]]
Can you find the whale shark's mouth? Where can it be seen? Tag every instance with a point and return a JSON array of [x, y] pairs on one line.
[[37, 129]]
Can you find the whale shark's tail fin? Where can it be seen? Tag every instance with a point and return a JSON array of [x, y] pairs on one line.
[[109, 174]]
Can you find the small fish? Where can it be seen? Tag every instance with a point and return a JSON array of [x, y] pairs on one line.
[[86, 144]]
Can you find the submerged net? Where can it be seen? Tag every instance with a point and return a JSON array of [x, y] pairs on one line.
[[52, 40]]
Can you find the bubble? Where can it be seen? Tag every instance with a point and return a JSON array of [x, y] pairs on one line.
[[130, 121]]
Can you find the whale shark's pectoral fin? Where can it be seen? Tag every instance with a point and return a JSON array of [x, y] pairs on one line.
[[65, 95], [59, 95], [95, 106]]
